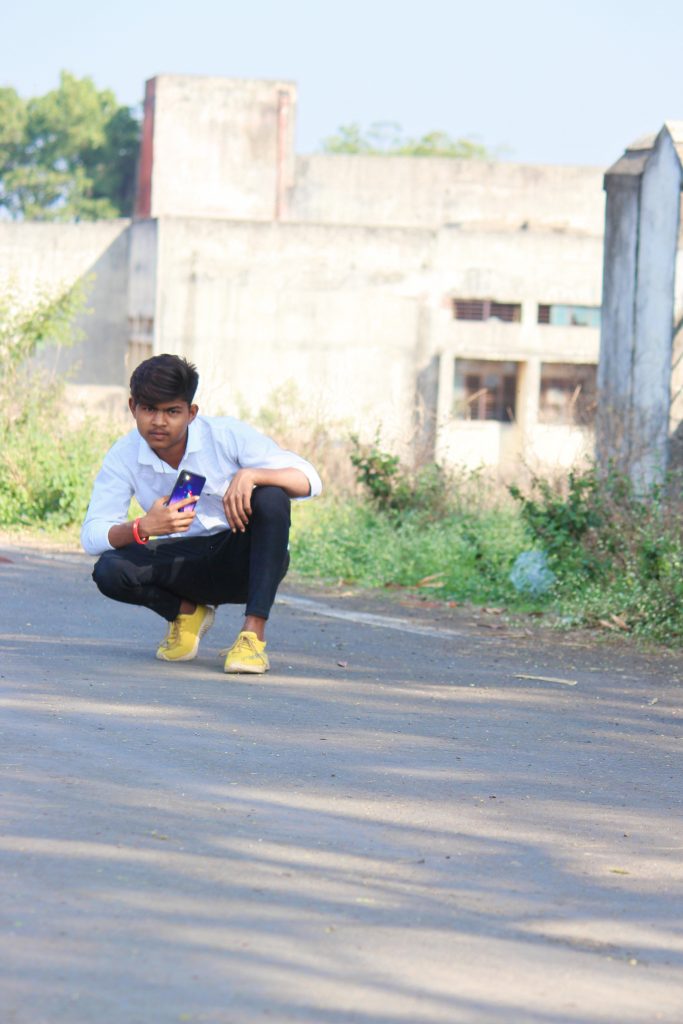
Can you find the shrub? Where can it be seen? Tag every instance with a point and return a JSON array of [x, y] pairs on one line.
[[617, 553], [429, 527], [583, 527], [430, 492], [46, 465], [47, 473]]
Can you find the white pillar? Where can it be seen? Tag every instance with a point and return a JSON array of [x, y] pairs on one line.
[[634, 372], [528, 397]]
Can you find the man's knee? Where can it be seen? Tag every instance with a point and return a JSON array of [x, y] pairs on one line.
[[271, 502], [108, 574]]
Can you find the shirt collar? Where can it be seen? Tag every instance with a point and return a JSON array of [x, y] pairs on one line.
[[194, 440]]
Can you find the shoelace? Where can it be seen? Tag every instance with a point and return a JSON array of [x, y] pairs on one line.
[[243, 644], [173, 637]]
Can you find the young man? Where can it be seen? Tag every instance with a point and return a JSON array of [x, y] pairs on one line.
[[232, 548]]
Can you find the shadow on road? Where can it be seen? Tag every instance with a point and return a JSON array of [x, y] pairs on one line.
[[414, 835]]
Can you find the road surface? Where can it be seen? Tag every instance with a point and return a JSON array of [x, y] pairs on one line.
[[396, 824]]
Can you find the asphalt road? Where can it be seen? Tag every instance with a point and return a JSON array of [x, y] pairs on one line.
[[391, 826]]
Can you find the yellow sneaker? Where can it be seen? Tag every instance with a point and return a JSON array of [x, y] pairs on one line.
[[247, 654], [184, 634]]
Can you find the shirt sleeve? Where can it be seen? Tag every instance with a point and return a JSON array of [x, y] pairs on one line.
[[109, 503], [255, 450]]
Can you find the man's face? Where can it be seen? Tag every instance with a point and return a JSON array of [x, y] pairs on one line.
[[165, 424]]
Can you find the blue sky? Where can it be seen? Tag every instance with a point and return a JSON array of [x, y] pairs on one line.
[[569, 82]]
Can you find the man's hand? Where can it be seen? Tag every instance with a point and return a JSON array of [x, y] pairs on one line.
[[162, 520], [237, 499]]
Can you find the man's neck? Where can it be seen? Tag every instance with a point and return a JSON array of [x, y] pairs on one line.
[[173, 456]]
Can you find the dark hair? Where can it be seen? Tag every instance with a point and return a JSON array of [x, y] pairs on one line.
[[163, 378]]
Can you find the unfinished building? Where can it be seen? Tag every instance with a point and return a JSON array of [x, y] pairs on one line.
[[454, 304]]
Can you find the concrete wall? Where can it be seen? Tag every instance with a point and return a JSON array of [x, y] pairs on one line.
[[531, 267], [429, 192], [221, 147], [361, 319], [142, 296], [36, 258], [257, 305]]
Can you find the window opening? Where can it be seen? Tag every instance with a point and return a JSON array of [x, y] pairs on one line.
[[485, 389], [568, 394], [569, 316]]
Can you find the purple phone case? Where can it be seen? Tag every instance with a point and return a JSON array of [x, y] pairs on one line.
[[187, 484]]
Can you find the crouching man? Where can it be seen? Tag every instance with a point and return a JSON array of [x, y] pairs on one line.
[[180, 562]]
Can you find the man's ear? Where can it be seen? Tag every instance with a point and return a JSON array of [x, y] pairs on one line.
[[131, 405], [194, 409]]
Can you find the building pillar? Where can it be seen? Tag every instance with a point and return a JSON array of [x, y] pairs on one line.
[[634, 371], [528, 398], [427, 371]]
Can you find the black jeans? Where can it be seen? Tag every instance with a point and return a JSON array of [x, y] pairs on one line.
[[221, 568]]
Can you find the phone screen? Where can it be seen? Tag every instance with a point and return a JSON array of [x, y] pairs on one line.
[[187, 485]]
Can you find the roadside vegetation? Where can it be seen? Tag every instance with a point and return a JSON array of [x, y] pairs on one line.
[[611, 559], [450, 535], [47, 460], [585, 550]]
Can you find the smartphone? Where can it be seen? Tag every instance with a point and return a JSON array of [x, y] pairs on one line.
[[188, 485]]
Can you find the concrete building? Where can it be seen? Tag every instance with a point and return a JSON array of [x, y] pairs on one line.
[[455, 304]]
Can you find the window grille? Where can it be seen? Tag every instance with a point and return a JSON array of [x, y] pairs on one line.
[[508, 312], [487, 309], [469, 309]]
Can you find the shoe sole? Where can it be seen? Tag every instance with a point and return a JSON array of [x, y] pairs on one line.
[[204, 628], [250, 670]]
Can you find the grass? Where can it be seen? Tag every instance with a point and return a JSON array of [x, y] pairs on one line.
[[463, 558]]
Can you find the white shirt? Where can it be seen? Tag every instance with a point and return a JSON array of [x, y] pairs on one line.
[[217, 446]]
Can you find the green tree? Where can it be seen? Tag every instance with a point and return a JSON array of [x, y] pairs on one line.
[[385, 138], [67, 155]]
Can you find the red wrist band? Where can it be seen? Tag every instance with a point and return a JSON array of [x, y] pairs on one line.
[[136, 532]]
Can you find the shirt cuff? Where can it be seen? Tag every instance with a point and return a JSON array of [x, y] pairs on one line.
[[95, 537], [313, 479]]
